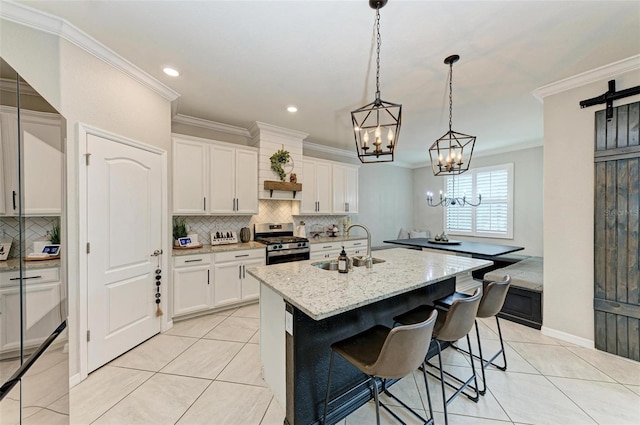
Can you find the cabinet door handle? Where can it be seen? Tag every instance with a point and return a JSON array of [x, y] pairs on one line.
[[346, 206], [233, 208], [27, 277], [193, 261], [239, 272], [204, 203], [244, 272], [14, 199], [208, 277]]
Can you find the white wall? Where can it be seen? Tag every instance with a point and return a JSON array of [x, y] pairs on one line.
[[569, 206], [84, 89], [527, 210], [385, 203]]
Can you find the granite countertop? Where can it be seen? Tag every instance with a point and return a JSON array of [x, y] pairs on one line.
[[322, 293], [326, 239], [14, 264], [208, 249]]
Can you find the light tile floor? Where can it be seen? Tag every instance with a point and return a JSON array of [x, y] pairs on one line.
[[207, 371]]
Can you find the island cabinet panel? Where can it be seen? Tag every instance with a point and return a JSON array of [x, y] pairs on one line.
[[308, 349]]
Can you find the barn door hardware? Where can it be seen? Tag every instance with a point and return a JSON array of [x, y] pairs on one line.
[[609, 97]]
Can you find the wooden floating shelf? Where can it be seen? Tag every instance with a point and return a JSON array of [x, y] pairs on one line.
[[286, 186]]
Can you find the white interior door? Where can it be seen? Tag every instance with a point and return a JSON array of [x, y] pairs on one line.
[[124, 212]]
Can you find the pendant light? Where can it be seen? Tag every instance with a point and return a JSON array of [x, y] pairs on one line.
[[451, 154], [376, 126]]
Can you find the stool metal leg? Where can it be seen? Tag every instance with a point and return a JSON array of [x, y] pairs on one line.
[[426, 384], [375, 396], [504, 355], [484, 378], [444, 395]]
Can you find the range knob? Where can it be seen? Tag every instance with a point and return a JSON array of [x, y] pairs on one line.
[[280, 246]]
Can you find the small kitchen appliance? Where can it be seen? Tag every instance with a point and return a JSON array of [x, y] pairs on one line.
[[282, 246]]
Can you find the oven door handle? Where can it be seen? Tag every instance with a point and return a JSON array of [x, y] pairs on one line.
[[288, 252]]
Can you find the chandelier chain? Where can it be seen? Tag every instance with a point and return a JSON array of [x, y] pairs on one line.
[[450, 95], [378, 42]]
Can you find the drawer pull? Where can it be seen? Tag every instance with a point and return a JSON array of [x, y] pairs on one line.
[[193, 261], [27, 277], [243, 255], [324, 247]]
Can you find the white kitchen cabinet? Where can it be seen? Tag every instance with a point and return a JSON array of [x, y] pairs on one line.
[[345, 189], [233, 180], [316, 188], [190, 179], [331, 250], [325, 251], [232, 282], [192, 284], [42, 302], [212, 177], [42, 153]]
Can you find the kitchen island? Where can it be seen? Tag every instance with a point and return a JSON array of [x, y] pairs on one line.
[[304, 309]]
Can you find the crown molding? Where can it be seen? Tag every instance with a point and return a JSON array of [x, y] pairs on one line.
[[328, 149], [9, 85], [45, 22], [598, 74], [211, 125], [261, 127]]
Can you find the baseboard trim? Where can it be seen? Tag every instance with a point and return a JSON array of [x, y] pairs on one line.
[[583, 342], [74, 380]]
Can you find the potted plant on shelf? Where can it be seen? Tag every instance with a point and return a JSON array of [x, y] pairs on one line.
[[278, 159], [179, 229], [55, 234]]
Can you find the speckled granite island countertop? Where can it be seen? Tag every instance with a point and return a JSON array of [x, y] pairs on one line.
[[14, 264], [208, 249], [323, 293]]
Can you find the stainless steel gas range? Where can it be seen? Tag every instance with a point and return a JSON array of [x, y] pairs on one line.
[[282, 246]]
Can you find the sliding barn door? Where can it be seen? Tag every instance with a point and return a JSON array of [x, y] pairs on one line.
[[617, 216]]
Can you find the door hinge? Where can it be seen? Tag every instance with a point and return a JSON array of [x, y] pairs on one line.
[[88, 336], [87, 156], [88, 248]]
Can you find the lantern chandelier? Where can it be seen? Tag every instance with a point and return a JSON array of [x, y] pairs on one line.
[[451, 153], [376, 126]]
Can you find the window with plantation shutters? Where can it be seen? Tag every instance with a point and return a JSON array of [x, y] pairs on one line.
[[494, 216]]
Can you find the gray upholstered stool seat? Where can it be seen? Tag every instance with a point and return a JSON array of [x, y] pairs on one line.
[[385, 353], [490, 305], [451, 325]]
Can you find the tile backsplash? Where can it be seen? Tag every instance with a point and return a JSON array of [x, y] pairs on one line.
[[271, 211], [35, 228]]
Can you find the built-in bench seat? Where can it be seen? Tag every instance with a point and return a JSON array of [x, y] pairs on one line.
[[524, 300]]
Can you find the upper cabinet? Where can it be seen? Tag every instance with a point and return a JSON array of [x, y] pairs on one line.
[[316, 194], [42, 153], [328, 188], [345, 189], [213, 177]]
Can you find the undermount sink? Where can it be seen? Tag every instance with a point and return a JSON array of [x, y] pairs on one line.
[[357, 261], [326, 265]]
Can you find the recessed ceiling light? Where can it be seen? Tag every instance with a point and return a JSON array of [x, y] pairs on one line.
[[292, 108], [170, 72]]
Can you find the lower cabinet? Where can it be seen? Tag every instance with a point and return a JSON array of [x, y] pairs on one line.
[[203, 282], [331, 250], [42, 302], [192, 284], [233, 284]]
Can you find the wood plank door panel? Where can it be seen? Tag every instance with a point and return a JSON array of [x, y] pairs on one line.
[[616, 232]]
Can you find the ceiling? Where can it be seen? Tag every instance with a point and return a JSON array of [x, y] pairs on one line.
[[246, 61]]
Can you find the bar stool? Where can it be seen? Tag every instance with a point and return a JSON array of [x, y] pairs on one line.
[[381, 352], [490, 305], [451, 325]]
